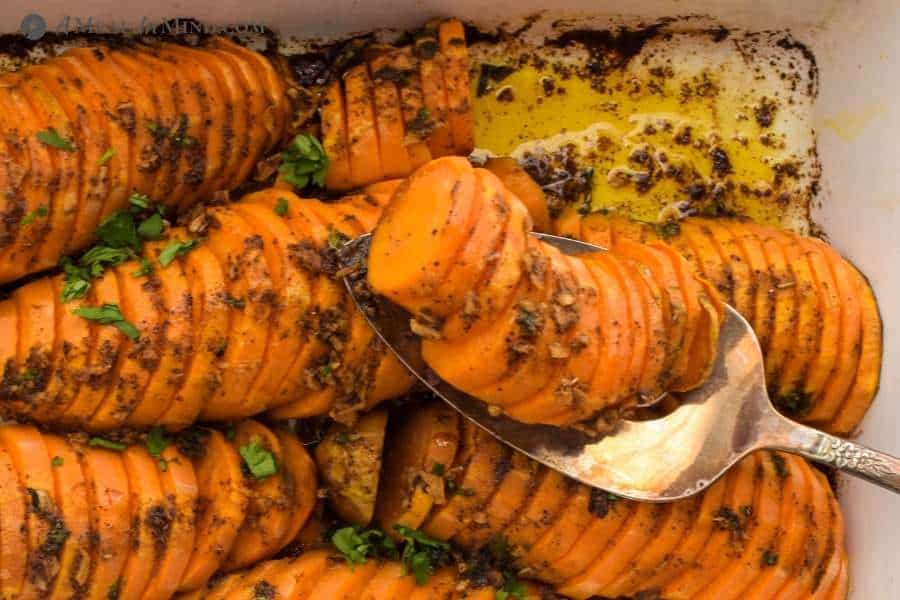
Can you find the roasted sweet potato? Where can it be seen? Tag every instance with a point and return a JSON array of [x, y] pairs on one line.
[[770, 525], [400, 108], [815, 316], [131, 519], [102, 123], [320, 575], [248, 320], [438, 257]]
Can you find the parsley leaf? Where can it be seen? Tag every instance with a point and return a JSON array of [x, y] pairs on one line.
[[110, 152], [336, 239], [512, 588], [281, 207], [421, 554], [140, 200], [51, 137], [146, 269], [109, 314], [152, 227], [119, 231], [175, 249], [259, 461], [77, 280], [39, 213], [304, 161], [157, 441], [99, 442], [357, 545]]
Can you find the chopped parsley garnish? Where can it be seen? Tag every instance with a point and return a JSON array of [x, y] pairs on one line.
[[259, 461], [438, 469], [99, 257], [39, 213], [157, 441], [304, 161], [118, 230], [336, 239], [281, 207], [57, 461], [145, 270], [512, 588], [99, 442], [175, 249], [152, 227], [77, 280], [110, 152], [51, 137], [140, 200], [357, 545], [421, 554], [109, 314]]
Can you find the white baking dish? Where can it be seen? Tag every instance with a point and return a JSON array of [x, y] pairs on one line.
[[857, 119]]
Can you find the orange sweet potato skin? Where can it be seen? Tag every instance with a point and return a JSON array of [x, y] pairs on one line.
[[820, 330], [770, 523], [519, 347], [131, 516], [159, 119], [252, 320]]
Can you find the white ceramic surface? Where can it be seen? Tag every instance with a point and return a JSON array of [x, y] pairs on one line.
[[857, 45]]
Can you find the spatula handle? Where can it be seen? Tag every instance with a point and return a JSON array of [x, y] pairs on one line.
[[863, 462]]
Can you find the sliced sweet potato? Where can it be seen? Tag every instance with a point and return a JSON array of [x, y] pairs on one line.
[[412, 102], [296, 578], [13, 528], [826, 289], [391, 581], [179, 485], [335, 139], [300, 476], [340, 582], [552, 493], [362, 133], [563, 534], [389, 118], [110, 499], [517, 181], [72, 361], [161, 402], [147, 502], [434, 93], [268, 513], [349, 459], [698, 234], [452, 37], [470, 491], [738, 289], [428, 436], [760, 282], [249, 288], [139, 304], [36, 307], [223, 496], [430, 213]]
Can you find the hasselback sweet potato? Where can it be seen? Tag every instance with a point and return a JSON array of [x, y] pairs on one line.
[[559, 339], [815, 315], [131, 519], [252, 318], [770, 526], [321, 575], [399, 108], [86, 129]]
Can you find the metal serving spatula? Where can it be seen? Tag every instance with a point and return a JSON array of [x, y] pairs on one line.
[[657, 460]]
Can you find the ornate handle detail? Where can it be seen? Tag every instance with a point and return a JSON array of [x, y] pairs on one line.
[[856, 459]]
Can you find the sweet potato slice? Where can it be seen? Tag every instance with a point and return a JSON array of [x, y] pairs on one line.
[[335, 139], [223, 496], [36, 307], [472, 490], [105, 343], [13, 528], [147, 502], [423, 439], [249, 287], [830, 575], [827, 291], [268, 513], [110, 499], [510, 497], [760, 282], [389, 118], [517, 181], [179, 484], [390, 581], [15, 176], [362, 134], [434, 93], [294, 296], [340, 582], [300, 475], [430, 213], [563, 534], [412, 102], [698, 234], [139, 305], [9, 348], [25, 447], [349, 459], [841, 378], [295, 578], [868, 372], [452, 37], [161, 402], [552, 493], [738, 289]]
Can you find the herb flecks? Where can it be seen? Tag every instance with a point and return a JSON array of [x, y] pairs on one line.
[[51, 137], [109, 314], [304, 161], [259, 461]]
